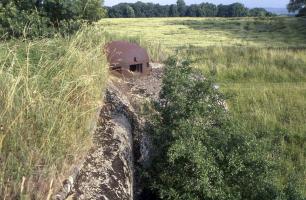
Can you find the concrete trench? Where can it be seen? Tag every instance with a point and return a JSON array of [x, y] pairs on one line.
[[121, 147], [108, 171]]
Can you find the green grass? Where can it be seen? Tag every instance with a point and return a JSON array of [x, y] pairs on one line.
[[50, 91], [260, 62], [202, 32]]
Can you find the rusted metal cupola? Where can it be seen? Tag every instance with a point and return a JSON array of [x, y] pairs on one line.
[[127, 58]]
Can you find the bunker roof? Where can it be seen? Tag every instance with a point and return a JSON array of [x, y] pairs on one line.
[[123, 52]]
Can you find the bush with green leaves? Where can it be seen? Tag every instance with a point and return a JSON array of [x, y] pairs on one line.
[[202, 153]]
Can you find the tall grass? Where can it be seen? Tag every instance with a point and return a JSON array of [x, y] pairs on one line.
[[251, 64], [275, 113], [50, 90]]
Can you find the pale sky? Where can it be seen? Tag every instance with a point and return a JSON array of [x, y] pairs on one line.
[[248, 3]]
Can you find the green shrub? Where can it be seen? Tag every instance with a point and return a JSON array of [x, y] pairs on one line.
[[202, 153]]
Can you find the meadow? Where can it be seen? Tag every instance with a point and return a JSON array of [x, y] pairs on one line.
[[260, 63], [176, 33]]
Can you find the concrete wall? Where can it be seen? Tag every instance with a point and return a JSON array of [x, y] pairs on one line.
[[125, 69]]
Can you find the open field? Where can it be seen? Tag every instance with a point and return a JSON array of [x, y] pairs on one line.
[[260, 63], [202, 32]]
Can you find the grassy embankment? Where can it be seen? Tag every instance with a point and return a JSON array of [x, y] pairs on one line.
[[261, 61], [50, 91]]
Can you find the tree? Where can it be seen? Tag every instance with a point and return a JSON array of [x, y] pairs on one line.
[[129, 12], [91, 10], [302, 12], [139, 9], [150, 12], [192, 10], [181, 7], [223, 11], [207, 10], [58, 10], [238, 10], [173, 11], [232, 10], [161, 11], [259, 12], [297, 5], [118, 11]]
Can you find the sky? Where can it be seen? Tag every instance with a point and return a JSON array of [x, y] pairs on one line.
[[248, 3]]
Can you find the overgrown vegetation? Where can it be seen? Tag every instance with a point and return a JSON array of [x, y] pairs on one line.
[[259, 62], [202, 151], [50, 91], [46, 17]]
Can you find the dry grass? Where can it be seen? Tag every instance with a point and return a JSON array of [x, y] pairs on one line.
[[50, 93], [175, 33]]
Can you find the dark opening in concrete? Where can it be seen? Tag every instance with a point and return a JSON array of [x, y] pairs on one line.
[[136, 68]]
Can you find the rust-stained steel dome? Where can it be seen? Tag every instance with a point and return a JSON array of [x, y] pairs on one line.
[[125, 56]]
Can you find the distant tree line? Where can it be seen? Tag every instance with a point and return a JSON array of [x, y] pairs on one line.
[[45, 17], [180, 9]]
